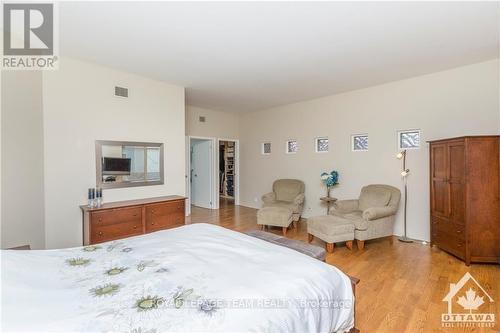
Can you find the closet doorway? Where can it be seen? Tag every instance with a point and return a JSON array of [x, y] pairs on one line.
[[227, 173], [221, 187]]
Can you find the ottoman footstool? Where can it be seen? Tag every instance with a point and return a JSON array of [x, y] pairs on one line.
[[276, 217], [331, 229]]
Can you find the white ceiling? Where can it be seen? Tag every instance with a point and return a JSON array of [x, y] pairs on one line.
[[243, 56]]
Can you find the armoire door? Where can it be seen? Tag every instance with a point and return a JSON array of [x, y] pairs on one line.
[[483, 220], [439, 185], [456, 180]]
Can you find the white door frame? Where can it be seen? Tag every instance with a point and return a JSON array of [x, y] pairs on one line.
[[213, 167], [214, 181], [236, 170]]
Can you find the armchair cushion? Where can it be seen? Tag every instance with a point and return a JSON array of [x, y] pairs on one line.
[[283, 204], [372, 196], [269, 197], [344, 206], [356, 217]]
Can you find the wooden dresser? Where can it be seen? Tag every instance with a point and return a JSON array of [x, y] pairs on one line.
[[122, 219], [465, 197]]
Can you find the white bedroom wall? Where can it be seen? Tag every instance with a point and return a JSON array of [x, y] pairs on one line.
[[22, 204], [79, 108], [462, 101], [217, 124]]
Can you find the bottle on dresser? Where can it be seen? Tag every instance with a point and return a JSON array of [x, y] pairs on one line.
[[99, 200], [91, 198], [95, 199]]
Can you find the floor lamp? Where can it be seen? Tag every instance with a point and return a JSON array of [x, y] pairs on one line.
[[404, 173]]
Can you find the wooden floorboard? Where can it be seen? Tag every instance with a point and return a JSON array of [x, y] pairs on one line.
[[402, 285]]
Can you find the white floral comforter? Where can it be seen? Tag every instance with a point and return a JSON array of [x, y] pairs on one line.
[[196, 278]]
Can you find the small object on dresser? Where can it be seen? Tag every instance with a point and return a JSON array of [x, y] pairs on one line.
[[99, 200], [110, 179], [91, 197]]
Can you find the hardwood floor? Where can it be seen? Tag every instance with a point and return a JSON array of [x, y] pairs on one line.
[[402, 285]]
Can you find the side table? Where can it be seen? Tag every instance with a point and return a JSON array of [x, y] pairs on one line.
[[329, 201]]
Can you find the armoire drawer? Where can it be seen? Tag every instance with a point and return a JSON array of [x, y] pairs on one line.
[[450, 228], [112, 216], [108, 232], [453, 246], [449, 236]]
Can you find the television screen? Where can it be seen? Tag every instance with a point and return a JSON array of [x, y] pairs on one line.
[[116, 166]]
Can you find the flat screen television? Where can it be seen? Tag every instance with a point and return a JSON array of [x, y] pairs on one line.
[[116, 166]]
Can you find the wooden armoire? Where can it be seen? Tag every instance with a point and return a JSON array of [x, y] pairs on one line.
[[465, 197]]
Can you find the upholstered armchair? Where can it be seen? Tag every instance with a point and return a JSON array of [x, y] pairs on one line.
[[287, 193], [373, 213]]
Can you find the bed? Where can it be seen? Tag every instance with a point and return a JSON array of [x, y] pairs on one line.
[[195, 278]]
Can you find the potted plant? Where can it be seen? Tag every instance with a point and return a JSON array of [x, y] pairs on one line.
[[330, 180]]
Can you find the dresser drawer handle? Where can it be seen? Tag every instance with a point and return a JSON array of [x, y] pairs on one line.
[[135, 227], [459, 231], [100, 233], [100, 219], [152, 223]]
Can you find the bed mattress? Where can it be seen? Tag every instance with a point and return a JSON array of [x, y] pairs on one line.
[[195, 278]]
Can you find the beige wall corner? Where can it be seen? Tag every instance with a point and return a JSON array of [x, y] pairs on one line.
[[217, 124]]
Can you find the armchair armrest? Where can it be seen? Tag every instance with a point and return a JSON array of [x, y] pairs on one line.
[[269, 197], [346, 206], [299, 199], [375, 213]]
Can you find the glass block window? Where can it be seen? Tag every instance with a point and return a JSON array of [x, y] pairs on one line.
[[292, 147], [321, 145], [266, 148], [360, 142], [409, 139]]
